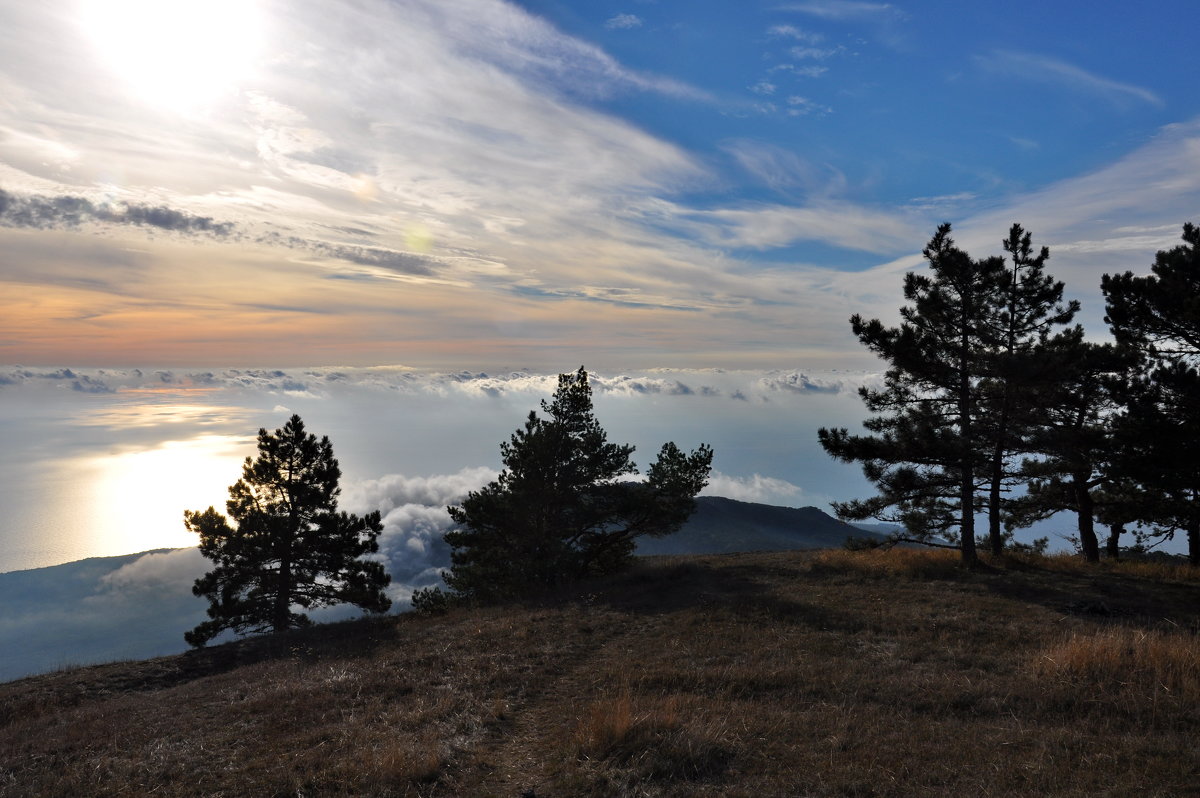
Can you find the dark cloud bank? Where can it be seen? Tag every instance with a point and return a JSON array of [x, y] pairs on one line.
[[65, 211]]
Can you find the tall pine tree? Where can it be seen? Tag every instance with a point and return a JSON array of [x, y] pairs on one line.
[[1031, 307], [926, 451]]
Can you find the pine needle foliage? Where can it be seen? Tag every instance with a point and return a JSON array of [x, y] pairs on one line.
[[564, 506], [289, 546]]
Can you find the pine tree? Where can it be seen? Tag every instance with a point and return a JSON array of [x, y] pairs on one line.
[[925, 455], [1158, 436], [563, 507], [1031, 307], [1159, 315], [1070, 425], [290, 547]]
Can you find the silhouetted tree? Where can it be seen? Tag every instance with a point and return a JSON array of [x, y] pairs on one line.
[[1159, 436], [563, 506], [290, 546], [1159, 315], [1070, 425], [1120, 502], [925, 455], [1030, 307]]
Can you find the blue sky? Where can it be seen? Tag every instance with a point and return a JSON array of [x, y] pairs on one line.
[[487, 184]]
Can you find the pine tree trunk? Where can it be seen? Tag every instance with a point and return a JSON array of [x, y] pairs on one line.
[[280, 614], [995, 538], [967, 475], [1193, 537], [1113, 545], [1085, 509], [967, 524]]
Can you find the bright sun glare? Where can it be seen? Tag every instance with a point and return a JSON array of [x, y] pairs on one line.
[[177, 54], [138, 497]]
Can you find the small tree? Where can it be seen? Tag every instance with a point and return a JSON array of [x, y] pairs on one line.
[[290, 546], [563, 506]]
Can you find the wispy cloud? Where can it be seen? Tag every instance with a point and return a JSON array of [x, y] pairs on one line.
[[884, 20], [1044, 69], [814, 53], [844, 9], [802, 106], [623, 22], [799, 34], [810, 71], [784, 170], [943, 203], [839, 224]]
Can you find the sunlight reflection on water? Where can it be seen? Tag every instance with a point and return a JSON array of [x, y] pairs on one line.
[[137, 498], [114, 477]]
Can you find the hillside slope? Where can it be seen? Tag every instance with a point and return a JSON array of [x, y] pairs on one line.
[[822, 674]]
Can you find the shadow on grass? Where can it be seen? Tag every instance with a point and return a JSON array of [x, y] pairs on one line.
[[1127, 599], [669, 585], [341, 640]]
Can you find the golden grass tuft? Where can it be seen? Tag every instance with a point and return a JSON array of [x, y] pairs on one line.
[[655, 738], [612, 723], [409, 763], [1121, 661], [915, 563]]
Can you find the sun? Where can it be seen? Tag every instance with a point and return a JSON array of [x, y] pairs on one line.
[[176, 54]]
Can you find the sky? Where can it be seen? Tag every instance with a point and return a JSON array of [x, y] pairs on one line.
[[402, 219], [481, 184]]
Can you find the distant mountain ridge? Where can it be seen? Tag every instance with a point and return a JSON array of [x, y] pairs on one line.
[[725, 526]]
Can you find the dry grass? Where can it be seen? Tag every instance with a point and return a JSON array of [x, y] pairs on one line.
[[825, 674], [1157, 570], [914, 563], [1121, 662], [656, 739]]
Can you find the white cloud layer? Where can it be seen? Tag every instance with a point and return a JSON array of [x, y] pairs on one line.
[[170, 571]]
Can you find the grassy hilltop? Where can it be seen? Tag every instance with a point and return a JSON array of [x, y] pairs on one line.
[[788, 674]]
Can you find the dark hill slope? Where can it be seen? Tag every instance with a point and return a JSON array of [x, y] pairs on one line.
[[721, 526], [750, 675]]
